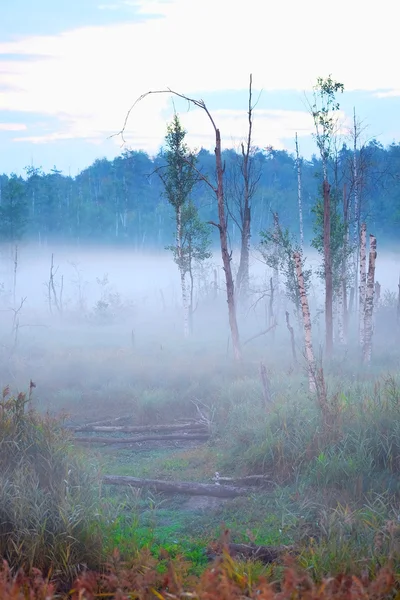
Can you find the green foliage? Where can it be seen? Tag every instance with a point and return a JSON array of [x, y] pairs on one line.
[[13, 210], [121, 201], [338, 231], [179, 178], [195, 242], [324, 105], [277, 248]]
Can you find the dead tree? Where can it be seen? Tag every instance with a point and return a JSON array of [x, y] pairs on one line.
[[369, 302], [363, 282], [328, 269], [324, 106], [265, 385], [218, 190], [299, 199], [343, 282], [243, 199], [292, 340], [275, 272], [306, 324]]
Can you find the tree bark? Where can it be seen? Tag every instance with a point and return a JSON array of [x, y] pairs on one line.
[[178, 487], [369, 302], [242, 279], [328, 270], [299, 198], [185, 302], [144, 438], [346, 242], [275, 274], [306, 323], [292, 340], [184, 427], [363, 282], [265, 385], [226, 258]]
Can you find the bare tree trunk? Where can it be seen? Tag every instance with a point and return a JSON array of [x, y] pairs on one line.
[[363, 282], [369, 302], [226, 257], [328, 270], [344, 263], [298, 165], [265, 385], [292, 341], [242, 279], [271, 301], [356, 231], [275, 273], [185, 302], [377, 294], [306, 324], [222, 225]]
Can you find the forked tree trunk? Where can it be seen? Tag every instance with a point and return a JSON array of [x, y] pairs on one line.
[[369, 302], [306, 324], [363, 282], [242, 279], [299, 200], [226, 258], [328, 270], [219, 192]]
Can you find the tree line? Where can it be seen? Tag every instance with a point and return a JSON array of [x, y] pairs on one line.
[[123, 201]]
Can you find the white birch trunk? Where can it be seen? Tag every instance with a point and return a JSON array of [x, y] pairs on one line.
[[363, 281], [369, 302], [184, 291], [306, 324], [356, 233], [298, 165], [275, 274]]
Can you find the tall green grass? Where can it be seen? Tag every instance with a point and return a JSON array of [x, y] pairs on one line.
[[51, 516]]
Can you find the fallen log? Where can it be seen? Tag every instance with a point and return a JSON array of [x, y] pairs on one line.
[[178, 487], [245, 480], [143, 438], [139, 428], [264, 554], [108, 421]]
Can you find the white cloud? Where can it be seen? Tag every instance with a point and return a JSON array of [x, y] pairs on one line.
[[12, 127], [88, 77]]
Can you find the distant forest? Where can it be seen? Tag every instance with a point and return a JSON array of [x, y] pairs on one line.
[[122, 202]]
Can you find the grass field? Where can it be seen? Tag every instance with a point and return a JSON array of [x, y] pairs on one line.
[[333, 468]]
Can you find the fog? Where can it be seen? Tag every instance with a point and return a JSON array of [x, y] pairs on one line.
[[121, 301]]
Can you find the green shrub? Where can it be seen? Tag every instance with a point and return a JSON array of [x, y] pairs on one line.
[[50, 513]]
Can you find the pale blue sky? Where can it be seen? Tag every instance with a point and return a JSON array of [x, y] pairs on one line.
[[69, 70]]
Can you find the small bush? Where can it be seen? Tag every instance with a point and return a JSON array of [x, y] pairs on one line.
[[50, 515]]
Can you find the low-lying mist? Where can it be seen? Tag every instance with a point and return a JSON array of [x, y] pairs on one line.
[[107, 324]]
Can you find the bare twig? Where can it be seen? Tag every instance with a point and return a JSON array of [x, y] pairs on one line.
[[270, 328]]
